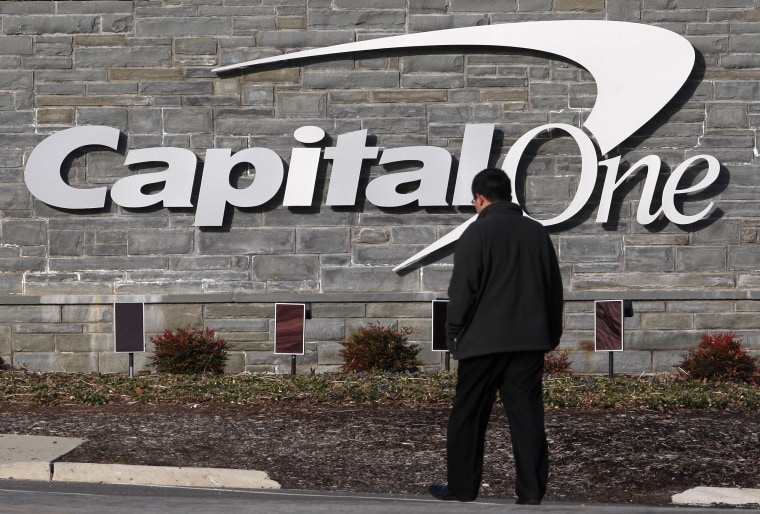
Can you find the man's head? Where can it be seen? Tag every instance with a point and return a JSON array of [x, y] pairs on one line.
[[489, 186]]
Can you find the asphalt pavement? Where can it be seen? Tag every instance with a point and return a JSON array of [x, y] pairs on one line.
[[32, 482]]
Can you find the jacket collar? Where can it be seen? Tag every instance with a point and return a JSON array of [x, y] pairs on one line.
[[501, 208]]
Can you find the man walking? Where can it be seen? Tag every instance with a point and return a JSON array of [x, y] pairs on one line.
[[504, 313]]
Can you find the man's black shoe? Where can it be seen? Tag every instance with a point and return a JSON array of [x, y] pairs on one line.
[[441, 492], [528, 501]]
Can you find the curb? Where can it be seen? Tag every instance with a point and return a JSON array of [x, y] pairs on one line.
[[31, 470], [717, 496], [137, 475], [161, 476]]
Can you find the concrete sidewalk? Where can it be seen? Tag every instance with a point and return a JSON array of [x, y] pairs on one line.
[[32, 458], [25, 457]]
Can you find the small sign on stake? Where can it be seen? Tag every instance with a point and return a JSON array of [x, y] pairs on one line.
[[129, 330], [609, 328], [289, 327], [439, 329]]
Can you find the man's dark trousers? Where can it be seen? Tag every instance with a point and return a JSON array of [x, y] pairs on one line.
[[518, 378]]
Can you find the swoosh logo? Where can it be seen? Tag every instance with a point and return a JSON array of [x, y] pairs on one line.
[[637, 68]]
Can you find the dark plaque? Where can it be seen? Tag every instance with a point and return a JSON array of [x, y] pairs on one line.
[[608, 333], [128, 327], [289, 320], [439, 325]]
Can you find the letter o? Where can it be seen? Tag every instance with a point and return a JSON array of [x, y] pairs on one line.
[[588, 167]]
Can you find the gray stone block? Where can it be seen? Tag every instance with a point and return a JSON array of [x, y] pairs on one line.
[[483, 5], [325, 329], [86, 313], [71, 24], [590, 249], [30, 314], [58, 362], [322, 240], [630, 362], [16, 80], [661, 340], [16, 45], [225, 310], [666, 362], [651, 258], [399, 310], [329, 354], [726, 116], [427, 6], [247, 241], [367, 19], [84, 343], [436, 279], [356, 280], [301, 105], [338, 310], [172, 316], [196, 87], [196, 46], [178, 26], [651, 281], [103, 116], [186, 121], [285, 267], [667, 321], [235, 363], [350, 79], [6, 346], [431, 81], [258, 96], [303, 39], [698, 259], [111, 263], [726, 322], [439, 63], [36, 343], [383, 254], [161, 242], [238, 325], [24, 232]]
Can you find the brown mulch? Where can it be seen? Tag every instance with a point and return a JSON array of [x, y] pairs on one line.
[[635, 456]]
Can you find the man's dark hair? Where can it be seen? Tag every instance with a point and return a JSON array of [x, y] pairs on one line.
[[493, 184]]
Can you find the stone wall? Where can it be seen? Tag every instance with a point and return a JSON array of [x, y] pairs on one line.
[[145, 68]]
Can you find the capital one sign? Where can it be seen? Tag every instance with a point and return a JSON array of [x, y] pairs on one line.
[[637, 68]]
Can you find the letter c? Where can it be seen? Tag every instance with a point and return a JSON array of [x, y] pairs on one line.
[[43, 168]]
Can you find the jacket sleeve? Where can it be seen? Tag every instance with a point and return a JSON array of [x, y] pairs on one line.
[[464, 287]]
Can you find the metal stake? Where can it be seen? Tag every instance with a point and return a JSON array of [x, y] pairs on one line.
[[611, 365]]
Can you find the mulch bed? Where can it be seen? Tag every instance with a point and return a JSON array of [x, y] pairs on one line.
[[617, 456]]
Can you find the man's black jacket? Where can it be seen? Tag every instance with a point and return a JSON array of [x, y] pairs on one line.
[[506, 289]]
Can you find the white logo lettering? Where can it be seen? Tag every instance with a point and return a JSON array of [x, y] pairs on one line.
[[658, 59]]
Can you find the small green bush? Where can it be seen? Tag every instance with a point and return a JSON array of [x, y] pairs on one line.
[[380, 348], [720, 357], [558, 363], [187, 351]]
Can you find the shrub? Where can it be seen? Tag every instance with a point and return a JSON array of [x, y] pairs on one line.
[[558, 362], [720, 357], [379, 348], [189, 351]]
